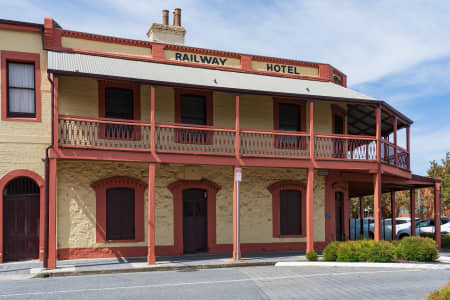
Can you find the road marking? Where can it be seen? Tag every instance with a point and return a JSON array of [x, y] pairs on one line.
[[200, 283]]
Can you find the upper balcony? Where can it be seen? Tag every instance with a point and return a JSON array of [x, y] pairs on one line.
[[104, 115]]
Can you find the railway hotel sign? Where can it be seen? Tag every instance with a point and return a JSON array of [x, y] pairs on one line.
[[234, 62]]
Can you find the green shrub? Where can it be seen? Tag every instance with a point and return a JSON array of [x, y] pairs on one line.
[[442, 294], [348, 251], [312, 256], [364, 249], [416, 249], [381, 251], [445, 238], [445, 241], [330, 251]]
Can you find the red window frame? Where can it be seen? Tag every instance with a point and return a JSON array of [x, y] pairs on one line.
[[179, 92], [338, 145], [101, 187], [102, 86], [302, 145], [275, 190], [20, 57]]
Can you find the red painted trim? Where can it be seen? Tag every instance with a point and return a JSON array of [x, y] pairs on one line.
[[52, 35], [275, 190], [394, 216], [412, 210], [335, 182], [237, 253], [101, 187], [310, 211], [20, 27], [437, 213], [41, 183], [377, 195], [20, 57], [312, 141], [55, 112], [106, 39], [177, 191], [151, 256], [141, 251], [52, 194]]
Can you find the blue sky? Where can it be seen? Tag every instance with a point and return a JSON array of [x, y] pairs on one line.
[[398, 51]]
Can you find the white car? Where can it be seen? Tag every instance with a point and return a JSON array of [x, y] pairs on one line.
[[386, 227], [423, 226]]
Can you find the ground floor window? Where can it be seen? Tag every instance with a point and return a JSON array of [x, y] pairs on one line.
[[290, 212], [120, 209], [288, 208], [120, 214]]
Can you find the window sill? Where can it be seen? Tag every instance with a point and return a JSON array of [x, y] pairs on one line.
[[22, 119], [120, 241], [292, 236]]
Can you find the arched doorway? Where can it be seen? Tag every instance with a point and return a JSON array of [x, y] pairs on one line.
[[21, 222], [194, 220]]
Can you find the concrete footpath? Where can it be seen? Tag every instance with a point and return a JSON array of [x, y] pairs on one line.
[[33, 269]]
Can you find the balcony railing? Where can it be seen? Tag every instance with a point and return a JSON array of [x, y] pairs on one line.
[[388, 155], [334, 146], [125, 135]]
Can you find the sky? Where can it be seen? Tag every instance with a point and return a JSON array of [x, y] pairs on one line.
[[397, 51]]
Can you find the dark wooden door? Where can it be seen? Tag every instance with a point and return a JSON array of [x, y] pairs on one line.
[[339, 209], [194, 220], [21, 227]]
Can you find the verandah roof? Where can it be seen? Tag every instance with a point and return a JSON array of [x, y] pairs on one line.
[[65, 62]]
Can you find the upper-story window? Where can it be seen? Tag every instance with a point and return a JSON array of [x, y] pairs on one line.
[[119, 100], [21, 90], [119, 103], [289, 115], [193, 107], [20, 97]]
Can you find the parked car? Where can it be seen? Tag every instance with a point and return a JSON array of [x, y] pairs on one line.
[[423, 226], [386, 227]]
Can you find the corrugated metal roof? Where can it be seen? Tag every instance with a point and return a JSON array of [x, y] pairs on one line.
[[173, 74]]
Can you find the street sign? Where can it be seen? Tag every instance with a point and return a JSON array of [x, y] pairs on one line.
[[238, 174]]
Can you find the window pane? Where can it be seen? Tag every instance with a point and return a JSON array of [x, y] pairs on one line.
[[119, 103], [193, 109], [21, 75], [288, 117], [21, 101], [290, 212]]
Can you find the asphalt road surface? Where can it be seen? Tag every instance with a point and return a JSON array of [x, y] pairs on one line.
[[236, 283]]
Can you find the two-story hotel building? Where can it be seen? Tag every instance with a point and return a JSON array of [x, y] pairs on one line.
[[113, 147]]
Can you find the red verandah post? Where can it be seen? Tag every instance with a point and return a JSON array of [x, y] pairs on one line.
[[377, 180], [437, 213], [151, 257]]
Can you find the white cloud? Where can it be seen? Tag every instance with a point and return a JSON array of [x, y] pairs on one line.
[[428, 144]]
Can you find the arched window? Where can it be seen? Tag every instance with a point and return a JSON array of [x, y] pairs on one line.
[[288, 208], [120, 209]]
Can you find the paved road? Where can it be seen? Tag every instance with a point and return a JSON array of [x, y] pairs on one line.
[[237, 283]]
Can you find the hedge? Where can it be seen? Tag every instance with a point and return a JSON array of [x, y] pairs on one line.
[[411, 248], [312, 256], [445, 239], [417, 249]]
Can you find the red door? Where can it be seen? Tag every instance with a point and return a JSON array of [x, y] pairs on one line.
[[194, 220], [21, 226]]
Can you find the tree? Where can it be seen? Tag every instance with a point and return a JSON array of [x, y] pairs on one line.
[[442, 172]]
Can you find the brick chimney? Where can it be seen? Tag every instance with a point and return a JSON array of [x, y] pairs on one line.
[[165, 33]]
